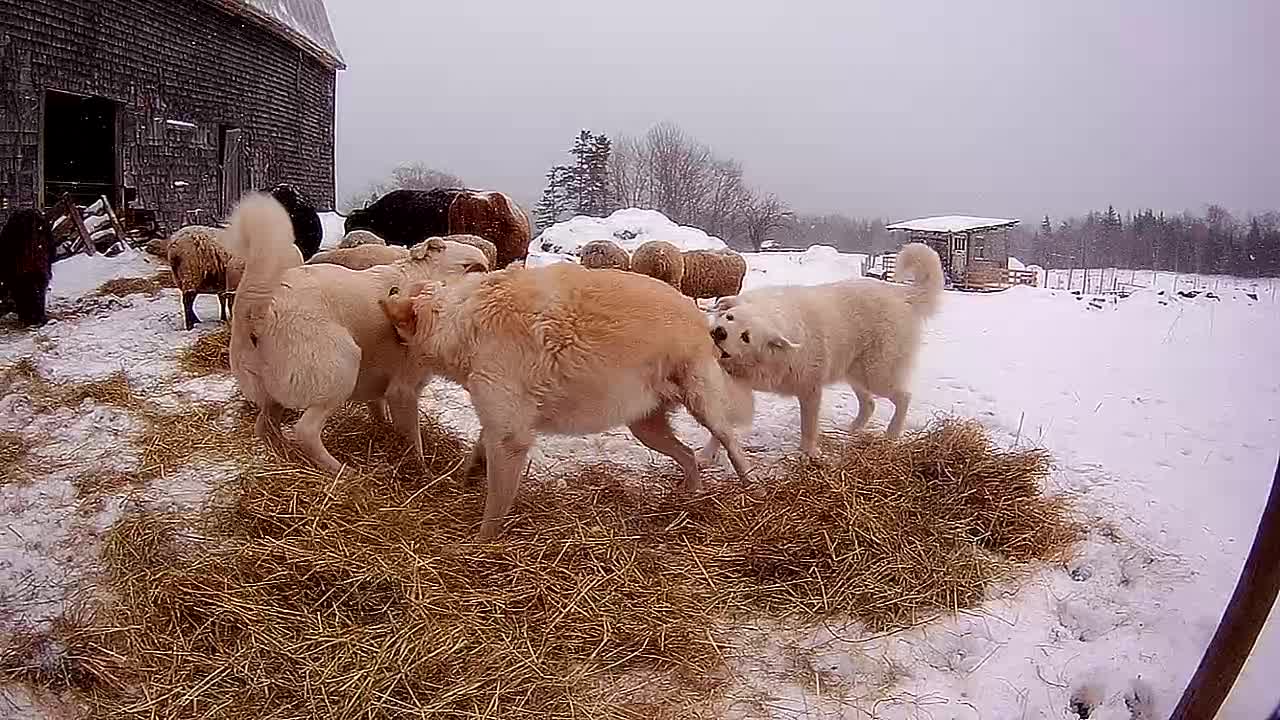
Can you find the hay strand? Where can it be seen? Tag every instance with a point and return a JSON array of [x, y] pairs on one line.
[[209, 354]]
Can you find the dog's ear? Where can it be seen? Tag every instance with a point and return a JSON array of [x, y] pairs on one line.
[[778, 341], [401, 309], [428, 247], [725, 303]]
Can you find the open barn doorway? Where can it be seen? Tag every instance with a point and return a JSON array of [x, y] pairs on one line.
[[81, 154]]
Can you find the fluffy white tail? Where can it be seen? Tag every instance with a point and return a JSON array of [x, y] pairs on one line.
[[925, 268], [262, 234]]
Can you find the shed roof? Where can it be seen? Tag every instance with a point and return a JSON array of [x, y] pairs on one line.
[[304, 22], [952, 223]]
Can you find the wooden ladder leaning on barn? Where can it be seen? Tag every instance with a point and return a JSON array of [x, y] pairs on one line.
[[88, 227]]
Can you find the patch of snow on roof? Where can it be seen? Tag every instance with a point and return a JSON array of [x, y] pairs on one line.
[[629, 228], [951, 223], [306, 18]]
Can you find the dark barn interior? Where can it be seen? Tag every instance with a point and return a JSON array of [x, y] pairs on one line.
[[80, 147]]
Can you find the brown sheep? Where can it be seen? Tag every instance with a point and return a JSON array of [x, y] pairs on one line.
[[603, 254], [199, 264], [494, 217], [360, 257], [489, 249], [355, 238], [661, 260], [712, 273]]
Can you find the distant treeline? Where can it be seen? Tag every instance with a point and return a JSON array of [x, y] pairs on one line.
[[1213, 243]]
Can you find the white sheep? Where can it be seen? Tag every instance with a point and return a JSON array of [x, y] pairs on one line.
[[661, 260], [712, 273], [602, 254], [360, 237], [198, 261]]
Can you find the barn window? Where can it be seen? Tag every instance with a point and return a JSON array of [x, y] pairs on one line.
[[979, 247], [80, 152]]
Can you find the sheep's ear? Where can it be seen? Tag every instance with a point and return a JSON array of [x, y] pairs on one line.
[[475, 267], [778, 341], [725, 303]]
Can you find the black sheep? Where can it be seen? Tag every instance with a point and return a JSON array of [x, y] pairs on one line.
[[27, 250], [307, 230], [406, 217]]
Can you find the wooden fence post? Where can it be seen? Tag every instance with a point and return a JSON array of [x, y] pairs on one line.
[[1243, 619]]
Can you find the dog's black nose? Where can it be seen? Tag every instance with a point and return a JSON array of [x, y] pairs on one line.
[[718, 334]]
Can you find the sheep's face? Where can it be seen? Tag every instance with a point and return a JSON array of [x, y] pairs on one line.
[[746, 336]]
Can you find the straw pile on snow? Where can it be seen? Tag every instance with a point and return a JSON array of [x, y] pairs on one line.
[[209, 354], [298, 595]]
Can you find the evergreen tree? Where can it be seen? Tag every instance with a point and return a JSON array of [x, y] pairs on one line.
[[589, 190], [556, 202], [581, 188]]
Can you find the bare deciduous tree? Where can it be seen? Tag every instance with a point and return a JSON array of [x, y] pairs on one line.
[[761, 216], [668, 171]]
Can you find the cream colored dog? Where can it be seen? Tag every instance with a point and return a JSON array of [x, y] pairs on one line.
[[313, 337], [566, 350], [796, 340]]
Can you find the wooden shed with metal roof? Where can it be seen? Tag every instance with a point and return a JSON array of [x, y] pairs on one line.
[[974, 250]]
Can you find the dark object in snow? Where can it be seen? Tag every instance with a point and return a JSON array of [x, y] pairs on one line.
[[307, 230], [26, 265], [1160, 292], [1189, 293], [407, 217], [1212, 296], [1251, 295]]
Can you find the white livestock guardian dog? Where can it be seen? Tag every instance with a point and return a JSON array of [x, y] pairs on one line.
[[795, 340]]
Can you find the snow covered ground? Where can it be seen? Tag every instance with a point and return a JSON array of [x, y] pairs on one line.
[[1162, 412]]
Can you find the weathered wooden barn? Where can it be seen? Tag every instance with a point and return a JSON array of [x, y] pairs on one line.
[[169, 106], [974, 250]]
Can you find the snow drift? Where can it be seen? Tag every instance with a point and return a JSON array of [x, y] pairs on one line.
[[629, 228]]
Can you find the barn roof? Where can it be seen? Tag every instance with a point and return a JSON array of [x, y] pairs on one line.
[[952, 223], [304, 22]]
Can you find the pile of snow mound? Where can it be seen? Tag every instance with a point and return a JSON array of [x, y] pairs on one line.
[[819, 253], [629, 228]]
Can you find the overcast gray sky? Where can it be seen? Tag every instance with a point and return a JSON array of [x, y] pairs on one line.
[[988, 107]]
